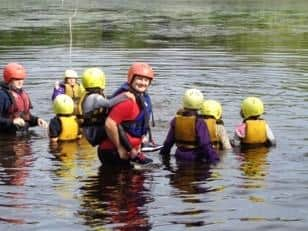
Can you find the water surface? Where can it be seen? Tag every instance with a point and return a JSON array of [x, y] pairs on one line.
[[229, 49]]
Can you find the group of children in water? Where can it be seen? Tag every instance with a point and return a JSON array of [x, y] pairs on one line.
[[198, 128], [81, 109]]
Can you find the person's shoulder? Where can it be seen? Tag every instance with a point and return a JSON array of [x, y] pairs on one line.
[[221, 129], [267, 124], [54, 121], [240, 130], [220, 126], [4, 94], [147, 96], [200, 120], [200, 124], [2, 91], [127, 107]]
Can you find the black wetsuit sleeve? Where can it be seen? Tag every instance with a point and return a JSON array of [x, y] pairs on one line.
[[54, 127], [124, 139], [33, 121]]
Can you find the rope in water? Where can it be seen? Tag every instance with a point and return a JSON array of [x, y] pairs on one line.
[[71, 30], [71, 36]]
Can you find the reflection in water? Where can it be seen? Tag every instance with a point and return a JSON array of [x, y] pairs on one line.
[[190, 177], [116, 198], [15, 158], [190, 181], [73, 159], [254, 167], [254, 162], [66, 153]]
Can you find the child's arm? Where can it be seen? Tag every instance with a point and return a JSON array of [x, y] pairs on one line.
[[224, 138], [118, 99], [239, 133], [95, 101], [54, 129], [58, 90], [270, 136], [169, 140]]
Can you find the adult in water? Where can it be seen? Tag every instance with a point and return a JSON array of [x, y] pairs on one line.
[[15, 104], [130, 117]]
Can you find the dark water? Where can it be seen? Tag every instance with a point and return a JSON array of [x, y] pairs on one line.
[[228, 49]]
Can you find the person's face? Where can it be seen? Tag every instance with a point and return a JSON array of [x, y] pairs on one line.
[[140, 83], [71, 81], [17, 83]]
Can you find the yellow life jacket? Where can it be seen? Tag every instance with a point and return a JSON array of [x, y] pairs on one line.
[[211, 124], [185, 131], [255, 132], [79, 109], [73, 91], [212, 127], [69, 128]]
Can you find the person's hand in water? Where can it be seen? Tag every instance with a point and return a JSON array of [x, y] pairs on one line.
[[19, 122], [42, 123]]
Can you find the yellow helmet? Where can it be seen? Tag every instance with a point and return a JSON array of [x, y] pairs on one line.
[[192, 99], [63, 104], [69, 73], [93, 78], [211, 108], [252, 106]]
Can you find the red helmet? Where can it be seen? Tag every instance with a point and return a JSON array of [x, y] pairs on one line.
[[13, 71], [141, 69]]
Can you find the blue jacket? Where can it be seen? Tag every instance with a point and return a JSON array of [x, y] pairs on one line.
[[140, 126], [6, 124]]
